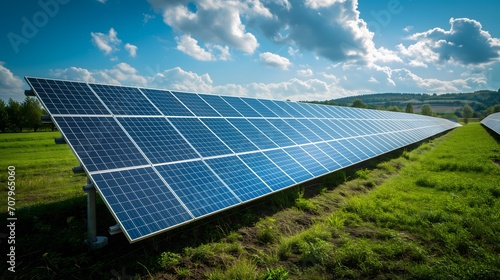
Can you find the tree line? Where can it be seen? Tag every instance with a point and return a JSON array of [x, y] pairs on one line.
[[16, 116], [466, 112]]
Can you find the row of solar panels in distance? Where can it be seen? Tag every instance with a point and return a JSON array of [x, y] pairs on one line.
[[104, 143], [76, 98], [492, 122]]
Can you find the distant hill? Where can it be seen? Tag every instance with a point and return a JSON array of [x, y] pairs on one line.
[[449, 103]]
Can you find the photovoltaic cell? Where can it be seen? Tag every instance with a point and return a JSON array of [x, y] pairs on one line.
[[272, 133], [369, 148], [492, 122], [194, 102], [257, 137], [339, 158], [303, 130], [100, 143], [241, 180], [240, 106], [229, 135], [60, 97], [267, 170], [342, 128], [197, 186], [289, 109], [202, 139], [326, 127], [166, 103], [220, 105], [277, 110], [289, 165], [125, 100], [259, 107], [312, 109], [321, 157], [309, 163], [289, 131], [319, 131], [356, 148], [159, 141], [344, 151], [301, 108], [141, 201]]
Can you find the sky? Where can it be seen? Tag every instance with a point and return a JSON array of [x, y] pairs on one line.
[[276, 49]]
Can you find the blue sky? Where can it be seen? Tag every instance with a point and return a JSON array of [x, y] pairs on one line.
[[279, 49]]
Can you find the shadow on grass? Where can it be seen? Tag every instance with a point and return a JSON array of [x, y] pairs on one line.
[[50, 237]]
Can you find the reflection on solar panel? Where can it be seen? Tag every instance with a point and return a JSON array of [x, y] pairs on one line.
[[492, 122], [160, 159]]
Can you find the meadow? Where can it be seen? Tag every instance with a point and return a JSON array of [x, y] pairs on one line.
[[430, 211]]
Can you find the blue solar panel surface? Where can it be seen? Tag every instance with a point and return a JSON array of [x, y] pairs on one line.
[[492, 122], [161, 158]]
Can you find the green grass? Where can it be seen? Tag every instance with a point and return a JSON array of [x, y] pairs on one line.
[[43, 169], [431, 213]]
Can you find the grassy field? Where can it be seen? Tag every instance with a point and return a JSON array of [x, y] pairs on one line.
[[430, 213], [43, 169]]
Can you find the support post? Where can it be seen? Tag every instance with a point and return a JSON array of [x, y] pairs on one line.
[[94, 241]]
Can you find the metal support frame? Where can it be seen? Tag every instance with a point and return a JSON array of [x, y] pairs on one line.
[[94, 241]]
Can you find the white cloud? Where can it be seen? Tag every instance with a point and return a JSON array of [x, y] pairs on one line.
[[120, 74], [214, 21], [107, 43], [316, 4], [179, 79], [11, 86], [274, 60], [190, 46], [132, 50], [331, 29], [466, 43], [305, 72], [102, 1], [224, 53], [408, 28]]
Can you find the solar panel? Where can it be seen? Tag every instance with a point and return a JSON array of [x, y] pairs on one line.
[[100, 143], [198, 187], [125, 100], [196, 105], [219, 104], [157, 138], [492, 122], [67, 97], [160, 158], [167, 103], [236, 174]]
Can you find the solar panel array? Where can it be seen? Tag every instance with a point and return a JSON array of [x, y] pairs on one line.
[[492, 122], [162, 158]]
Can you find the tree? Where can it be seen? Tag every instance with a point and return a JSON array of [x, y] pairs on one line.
[[467, 113], [426, 110], [409, 108], [358, 103], [394, 109], [4, 116], [16, 118], [32, 112]]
